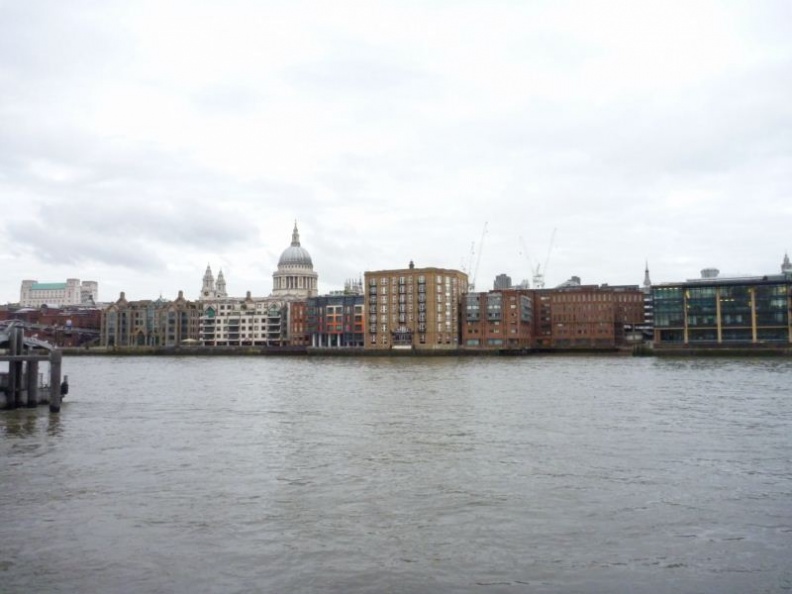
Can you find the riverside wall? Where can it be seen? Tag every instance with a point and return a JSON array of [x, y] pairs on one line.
[[244, 351]]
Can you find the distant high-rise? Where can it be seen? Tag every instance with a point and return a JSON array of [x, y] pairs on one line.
[[502, 281]]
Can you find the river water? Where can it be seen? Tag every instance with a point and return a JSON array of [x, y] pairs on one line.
[[486, 475]]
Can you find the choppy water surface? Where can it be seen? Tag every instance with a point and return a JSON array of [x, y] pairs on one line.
[[541, 474]]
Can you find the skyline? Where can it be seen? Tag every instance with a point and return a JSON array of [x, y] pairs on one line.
[[488, 286], [140, 142]]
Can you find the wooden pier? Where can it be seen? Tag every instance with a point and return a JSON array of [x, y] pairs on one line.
[[21, 384]]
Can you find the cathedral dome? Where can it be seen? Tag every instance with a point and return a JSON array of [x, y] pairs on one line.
[[295, 255], [295, 277]]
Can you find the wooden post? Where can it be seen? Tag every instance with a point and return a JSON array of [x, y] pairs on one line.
[[15, 341], [20, 347], [32, 384], [56, 356], [11, 397]]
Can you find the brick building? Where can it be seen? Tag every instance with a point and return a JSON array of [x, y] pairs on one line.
[[61, 326], [587, 316], [298, 323], [336, 321], [499, 319], [413, 308], [150, 322]]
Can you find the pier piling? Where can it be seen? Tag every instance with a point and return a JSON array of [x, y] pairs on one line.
[[32, 384], [56, 357], [14, 388], [20, 386]]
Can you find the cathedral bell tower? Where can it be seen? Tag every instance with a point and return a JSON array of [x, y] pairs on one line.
[[208, 287], [211, 289]]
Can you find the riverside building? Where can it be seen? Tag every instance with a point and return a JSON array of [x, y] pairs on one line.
[[498, 319], [591, 316], [413, 308], [248, 321], [150, 322], [722, 312], [275, 321], [336, 321]]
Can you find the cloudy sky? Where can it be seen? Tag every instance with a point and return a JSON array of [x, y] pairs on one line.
[[141, 141]]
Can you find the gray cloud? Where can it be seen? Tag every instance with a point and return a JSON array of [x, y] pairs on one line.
[[61, 243], [129, 142]]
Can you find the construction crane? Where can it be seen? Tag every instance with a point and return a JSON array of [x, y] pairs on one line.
[[473, 272], [526, 283], [466, 268], [539, 273]]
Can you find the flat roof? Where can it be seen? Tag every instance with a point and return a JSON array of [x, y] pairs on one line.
[[770, 279]]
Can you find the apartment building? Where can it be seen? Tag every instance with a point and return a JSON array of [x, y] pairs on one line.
[[297, 316], [498, 319], [336, 321], [413, 308], [248, 321], [150, 322]]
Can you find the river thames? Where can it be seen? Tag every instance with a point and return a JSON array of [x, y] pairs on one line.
[[487, 475]]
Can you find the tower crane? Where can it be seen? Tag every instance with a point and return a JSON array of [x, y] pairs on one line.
[[474, 271], [467, 267], [539, 273], [526, 282]]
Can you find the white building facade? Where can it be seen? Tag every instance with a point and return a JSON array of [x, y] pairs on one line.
[[233, 321], [72, 292], [257, 321]]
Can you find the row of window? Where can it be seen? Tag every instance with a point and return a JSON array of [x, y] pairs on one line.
[[708, 317], [725, 291], [730, 335], [400, 340], [442, 326], [405, 280]]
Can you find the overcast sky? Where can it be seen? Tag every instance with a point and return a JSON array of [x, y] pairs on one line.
[[141, 141]]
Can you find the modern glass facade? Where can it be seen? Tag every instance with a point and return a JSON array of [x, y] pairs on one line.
[[724, 311]]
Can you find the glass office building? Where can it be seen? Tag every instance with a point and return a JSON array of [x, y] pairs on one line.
[[747, 311]]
